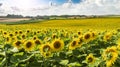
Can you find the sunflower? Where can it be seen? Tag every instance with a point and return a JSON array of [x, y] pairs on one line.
[[87, 37], [94, 35], [47, 54], [45, 48], [29, 45], [37, 41], [110, 55], [11, 35], [35, 37], [28, 30], [54, 36], [79, 32], [74, 44], [23, 36], [5, 33], [8, 40], [90, 59], [16, 32], [20, 32], [57, 45], [107, 37], [17, 44], [14, 38]]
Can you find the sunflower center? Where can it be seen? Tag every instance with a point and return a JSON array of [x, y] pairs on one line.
[[87, 36], [5, 33], [57, 44], [90, 59], [29, 44], [20, 32], [47, 54], [7, 38], [23, 36], [10, 35], [18, 43], [16, 32], [37, 42], [34, 38], [74, 43], [93, 34], [79, 33]]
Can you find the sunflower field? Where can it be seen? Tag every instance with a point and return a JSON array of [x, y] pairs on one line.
[[61, 43]]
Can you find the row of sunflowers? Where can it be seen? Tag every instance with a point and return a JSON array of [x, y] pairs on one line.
[[59, 48]]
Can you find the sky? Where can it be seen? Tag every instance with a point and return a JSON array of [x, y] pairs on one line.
[[59, 7]]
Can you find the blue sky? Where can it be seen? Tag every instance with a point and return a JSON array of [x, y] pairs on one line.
[[59, 7]]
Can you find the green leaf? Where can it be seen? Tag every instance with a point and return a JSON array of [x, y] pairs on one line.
[[74, 64], [64, 62]]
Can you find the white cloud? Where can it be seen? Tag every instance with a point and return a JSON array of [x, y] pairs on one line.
[[86, 7]]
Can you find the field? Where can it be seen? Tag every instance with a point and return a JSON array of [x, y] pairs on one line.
[[91, 42], [12, 19]]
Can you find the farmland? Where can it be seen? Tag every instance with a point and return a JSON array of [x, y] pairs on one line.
[[91, 42]]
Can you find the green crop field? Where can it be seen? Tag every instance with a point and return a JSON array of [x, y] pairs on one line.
[[91, 42]]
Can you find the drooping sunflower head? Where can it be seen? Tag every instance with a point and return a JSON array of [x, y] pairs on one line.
[[73, 45], [17, 44], [90, 59], [57, 45], [110, 55], [29, 45]]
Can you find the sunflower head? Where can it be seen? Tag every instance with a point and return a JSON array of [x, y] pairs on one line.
[[8, 40], [57, 45], [16, 32], [110, 55], [29, 45], [17, 44], [20, 32], [11, 35], [94, 35], [73, 44], [47, 54], [28, 31], [79, 33], [44, 48], [37, 42], [23, 36], [54, 36], [35, 37], [87, 37], [107, 37], [90, 59]]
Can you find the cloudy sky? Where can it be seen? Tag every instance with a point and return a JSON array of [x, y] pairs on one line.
[[59, 7]]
